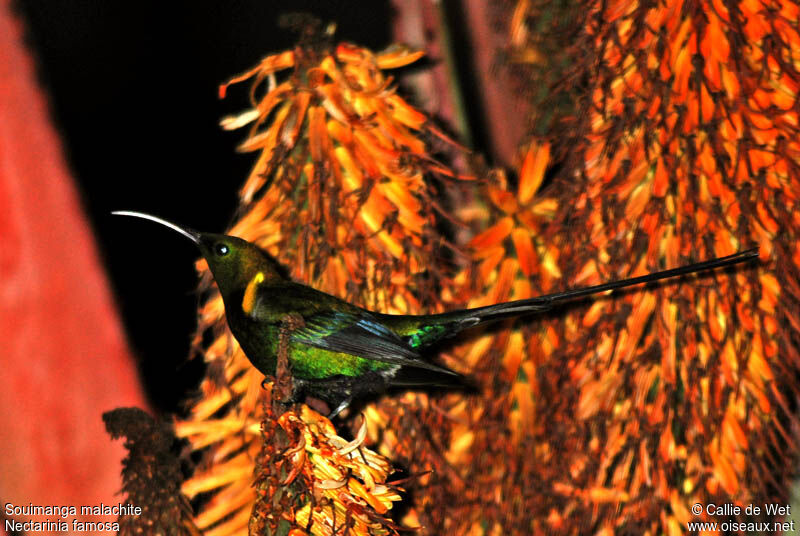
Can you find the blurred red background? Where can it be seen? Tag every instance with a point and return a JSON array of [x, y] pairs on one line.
[[65, 359]]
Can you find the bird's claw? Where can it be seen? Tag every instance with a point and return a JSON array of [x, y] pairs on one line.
[[342, 405]]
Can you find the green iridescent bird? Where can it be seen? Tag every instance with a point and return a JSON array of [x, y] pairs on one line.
[[340, 352]]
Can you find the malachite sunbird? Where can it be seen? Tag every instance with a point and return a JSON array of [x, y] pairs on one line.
[[341, 352]]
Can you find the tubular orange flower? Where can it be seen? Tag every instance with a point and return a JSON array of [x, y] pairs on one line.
[[612, 418], [340, 192], [685, 148]]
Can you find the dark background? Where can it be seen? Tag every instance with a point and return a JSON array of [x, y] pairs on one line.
[[132, 88]]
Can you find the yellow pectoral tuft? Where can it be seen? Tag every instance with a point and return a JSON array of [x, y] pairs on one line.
[[249, 300]]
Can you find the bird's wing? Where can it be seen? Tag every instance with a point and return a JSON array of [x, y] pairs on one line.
[[333, 324], [359, 334]]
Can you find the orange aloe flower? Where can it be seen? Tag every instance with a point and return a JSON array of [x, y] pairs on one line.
[[610, 417], [341, 193], [620, 415]]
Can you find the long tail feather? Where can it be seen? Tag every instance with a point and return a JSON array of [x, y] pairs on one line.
[[542, 303], [424, 330]]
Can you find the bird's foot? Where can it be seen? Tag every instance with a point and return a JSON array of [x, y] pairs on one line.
[[342, 405]]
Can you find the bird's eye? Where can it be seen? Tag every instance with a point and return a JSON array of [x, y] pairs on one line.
[[221, 249]]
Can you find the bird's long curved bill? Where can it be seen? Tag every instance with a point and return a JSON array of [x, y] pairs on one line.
[[188, 233]]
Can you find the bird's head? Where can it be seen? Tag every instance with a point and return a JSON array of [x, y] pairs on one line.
[[233, 262]]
